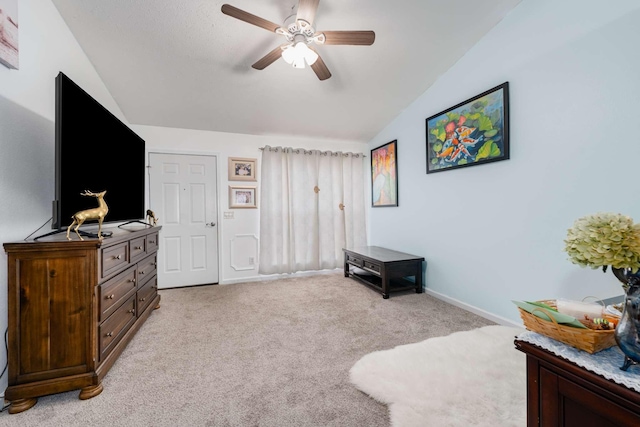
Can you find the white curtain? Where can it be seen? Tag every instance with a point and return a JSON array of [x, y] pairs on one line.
[[312, 206]]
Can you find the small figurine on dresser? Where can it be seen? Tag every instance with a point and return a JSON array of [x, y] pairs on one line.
[[151, 218], [90, 214]]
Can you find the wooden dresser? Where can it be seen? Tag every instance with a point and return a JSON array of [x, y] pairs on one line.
[[561, 393], [73, 307]]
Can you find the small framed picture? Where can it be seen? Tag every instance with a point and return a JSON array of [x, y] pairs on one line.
[[242, 169], [242, 197]]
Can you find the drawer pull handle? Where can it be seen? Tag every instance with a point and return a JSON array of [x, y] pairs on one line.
[[132, 280], [109, 334], [132, 311], [111, 296], [152, 241], [141, 271], [155, 264], [141, 299], [138, 248], [119, 256]]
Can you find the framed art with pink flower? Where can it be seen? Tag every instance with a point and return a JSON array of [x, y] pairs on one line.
[[473, 132]]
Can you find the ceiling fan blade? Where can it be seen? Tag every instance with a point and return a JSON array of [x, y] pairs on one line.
[[362, 38], [307, 10], [319, 67], [234, 12], [268, 59]]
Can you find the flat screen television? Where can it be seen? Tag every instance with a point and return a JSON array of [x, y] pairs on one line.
[[94, 151]]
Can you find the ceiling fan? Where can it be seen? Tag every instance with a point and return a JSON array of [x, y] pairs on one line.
[[301, 36]]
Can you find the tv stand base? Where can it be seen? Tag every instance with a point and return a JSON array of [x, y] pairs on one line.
[[82, 233]]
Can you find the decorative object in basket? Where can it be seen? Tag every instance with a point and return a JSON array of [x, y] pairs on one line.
[[608, 239], [541, 317]]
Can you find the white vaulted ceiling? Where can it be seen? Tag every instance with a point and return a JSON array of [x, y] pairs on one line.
[[184, 64]]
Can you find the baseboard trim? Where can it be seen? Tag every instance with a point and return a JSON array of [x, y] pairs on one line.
[[475, 310], [268, 277]]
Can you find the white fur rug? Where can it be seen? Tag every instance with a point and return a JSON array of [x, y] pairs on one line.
[[470, 378]]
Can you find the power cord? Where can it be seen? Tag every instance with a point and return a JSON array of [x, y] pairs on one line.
[[6, 365], [6, 349], [39, 228]]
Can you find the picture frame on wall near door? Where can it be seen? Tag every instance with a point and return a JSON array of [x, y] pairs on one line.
[[242, 169], [242, 197]]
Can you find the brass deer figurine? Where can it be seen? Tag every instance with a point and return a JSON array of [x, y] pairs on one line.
[[96, 213]]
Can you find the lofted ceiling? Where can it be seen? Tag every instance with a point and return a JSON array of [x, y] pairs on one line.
[[185, 64]]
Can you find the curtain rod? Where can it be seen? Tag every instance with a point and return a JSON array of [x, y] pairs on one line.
[[299, 150]]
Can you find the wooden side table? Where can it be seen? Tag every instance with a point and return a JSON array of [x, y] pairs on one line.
[[561, 393], [387, 269]]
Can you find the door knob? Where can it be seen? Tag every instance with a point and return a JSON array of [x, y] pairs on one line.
[[211, 224]]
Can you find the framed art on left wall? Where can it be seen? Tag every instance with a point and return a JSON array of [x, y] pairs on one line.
[[9, 33], [384, 175]]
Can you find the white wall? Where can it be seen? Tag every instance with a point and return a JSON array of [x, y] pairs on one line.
[[27, 111], [239, 237], [492, 233]]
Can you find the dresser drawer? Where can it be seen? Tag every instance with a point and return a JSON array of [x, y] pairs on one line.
[[354, 260], [114, 258], [152, 243], [146, 269], [371, 267], [113, 292], [112, 329], [138, 248], [146, 295]]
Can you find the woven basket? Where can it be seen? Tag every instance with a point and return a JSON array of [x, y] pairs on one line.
[[589, 340]]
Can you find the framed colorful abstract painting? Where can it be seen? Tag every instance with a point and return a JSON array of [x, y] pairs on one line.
[[384, 175], [473, 132]]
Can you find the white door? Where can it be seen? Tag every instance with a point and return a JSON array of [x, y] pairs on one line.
[[183, 195]]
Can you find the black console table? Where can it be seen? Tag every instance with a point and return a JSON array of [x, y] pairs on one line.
[[386, 269]]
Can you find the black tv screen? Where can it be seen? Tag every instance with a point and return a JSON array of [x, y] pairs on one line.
[[94, 151]]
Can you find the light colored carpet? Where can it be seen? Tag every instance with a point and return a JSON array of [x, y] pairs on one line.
[[254, 354], [470, 378]]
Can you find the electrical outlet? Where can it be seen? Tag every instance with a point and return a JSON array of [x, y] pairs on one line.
[[252, 260], [228, 215]]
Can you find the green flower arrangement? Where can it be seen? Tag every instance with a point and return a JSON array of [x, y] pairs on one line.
[[604, 239]]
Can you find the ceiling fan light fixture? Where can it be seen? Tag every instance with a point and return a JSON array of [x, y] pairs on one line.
[[300, 34], [298, 54]]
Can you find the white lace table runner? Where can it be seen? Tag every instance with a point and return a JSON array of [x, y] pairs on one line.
[[605, 363]]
